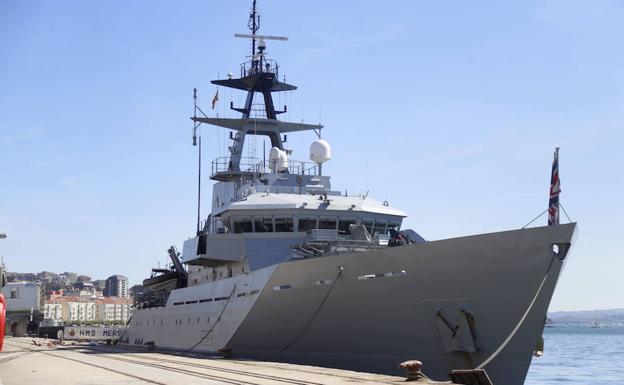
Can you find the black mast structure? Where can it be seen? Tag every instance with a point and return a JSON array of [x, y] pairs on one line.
[[258, 75]]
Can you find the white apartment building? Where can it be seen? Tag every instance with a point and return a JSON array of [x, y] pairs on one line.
[[76, 309], [116, 286], [111, 310], [53, 310], [81, 311]]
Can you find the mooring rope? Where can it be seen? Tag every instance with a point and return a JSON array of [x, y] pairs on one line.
[[316, 312], [123, 334], [215, 323], [515, 329]]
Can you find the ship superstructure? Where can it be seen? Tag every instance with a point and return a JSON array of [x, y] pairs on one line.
[[285, 268]]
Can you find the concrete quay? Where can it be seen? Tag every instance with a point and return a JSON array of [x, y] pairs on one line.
[[24, 363]]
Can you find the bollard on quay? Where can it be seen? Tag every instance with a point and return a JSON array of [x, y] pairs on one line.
[[413, 369]]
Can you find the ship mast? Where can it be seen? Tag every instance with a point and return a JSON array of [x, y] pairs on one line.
[[254, 26], [258, 75]]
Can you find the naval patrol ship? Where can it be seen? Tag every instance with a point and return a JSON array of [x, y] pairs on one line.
[[286, 269]]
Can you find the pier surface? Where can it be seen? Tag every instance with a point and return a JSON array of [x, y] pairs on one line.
[[24, 363]]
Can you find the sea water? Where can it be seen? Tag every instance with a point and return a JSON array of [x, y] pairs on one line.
[[580, 355]]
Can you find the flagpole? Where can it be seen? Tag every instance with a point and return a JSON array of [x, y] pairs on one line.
[[198, 159], [555, 189], [199, 185]]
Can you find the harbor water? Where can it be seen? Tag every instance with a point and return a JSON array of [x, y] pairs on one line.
[[580, 355]]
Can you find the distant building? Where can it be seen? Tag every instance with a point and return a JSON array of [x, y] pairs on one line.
[[83, 295], [22, 295], [114, 309], [71, 292], [54, 294], [71, 277], [83, 278], [82, 311], [53, 310], [86, 287], [76, 309], [71, 309], [24, 302], [99, 284], [116, 286], [47, 276], [66, 279], [17, 277]]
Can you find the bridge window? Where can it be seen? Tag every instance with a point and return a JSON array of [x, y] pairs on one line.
[[284, 225], [327, 223], [343, 225], [394, 225], [379, 227], [263, 225], [242, 225], [307, 223]]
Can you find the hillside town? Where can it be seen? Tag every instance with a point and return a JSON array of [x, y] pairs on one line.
[[47, 298]]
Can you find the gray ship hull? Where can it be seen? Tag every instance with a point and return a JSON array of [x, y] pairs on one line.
[[448, 303]]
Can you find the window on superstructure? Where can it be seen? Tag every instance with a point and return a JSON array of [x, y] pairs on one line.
[[284, 225], [379, 227], [219, 226], [394, 225], [263, 225], [327, 223], [368, 223], [307, 223], [344, 224], [242, 225]]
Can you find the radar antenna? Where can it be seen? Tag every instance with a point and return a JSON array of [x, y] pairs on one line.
[[260, 75], [254, 26]]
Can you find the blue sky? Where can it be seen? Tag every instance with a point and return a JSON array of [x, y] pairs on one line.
[[450, 110]]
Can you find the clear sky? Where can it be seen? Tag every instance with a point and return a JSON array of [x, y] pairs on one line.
[[450, 110]]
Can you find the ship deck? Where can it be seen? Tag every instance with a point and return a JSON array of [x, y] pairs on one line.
[[24, 363]]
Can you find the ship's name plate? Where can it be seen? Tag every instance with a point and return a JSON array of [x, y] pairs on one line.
[[92, 333]]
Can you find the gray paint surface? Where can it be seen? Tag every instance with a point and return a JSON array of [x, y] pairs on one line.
[[374, 324]]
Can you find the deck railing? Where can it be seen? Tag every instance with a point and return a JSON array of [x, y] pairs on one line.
[[259, 166], [248, 68]]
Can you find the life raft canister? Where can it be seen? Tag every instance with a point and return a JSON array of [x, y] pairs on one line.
[[2, 319]]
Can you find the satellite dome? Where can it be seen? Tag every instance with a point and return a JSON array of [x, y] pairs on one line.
[[320, 151], [278, 160]]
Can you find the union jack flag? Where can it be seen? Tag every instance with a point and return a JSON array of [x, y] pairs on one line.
[[555, 190]]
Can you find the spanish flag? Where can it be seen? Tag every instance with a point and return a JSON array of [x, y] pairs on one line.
[[215, 99]]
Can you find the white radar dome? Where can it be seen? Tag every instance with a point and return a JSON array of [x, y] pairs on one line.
[[320, 151], [278, 160]]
